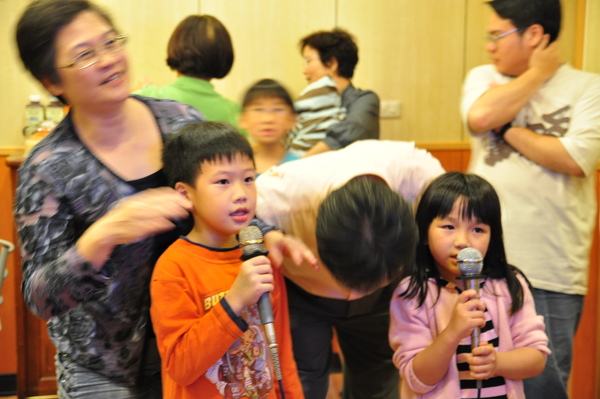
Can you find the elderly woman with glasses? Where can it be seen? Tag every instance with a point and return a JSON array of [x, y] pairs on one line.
[[92, 206]]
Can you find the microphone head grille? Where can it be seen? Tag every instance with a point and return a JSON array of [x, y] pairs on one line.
[[251, 240], [470, 261]]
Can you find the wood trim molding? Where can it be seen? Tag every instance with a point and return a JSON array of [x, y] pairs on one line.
[[427, 145], [447, 145], [6, 151]]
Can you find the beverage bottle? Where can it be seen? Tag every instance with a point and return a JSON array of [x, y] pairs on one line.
[[55, 111], [34, 114], [43, 129]]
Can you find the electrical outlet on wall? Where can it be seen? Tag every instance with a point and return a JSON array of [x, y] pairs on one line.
[[390, 109]]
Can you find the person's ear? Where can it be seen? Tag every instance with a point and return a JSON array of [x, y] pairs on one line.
[[533, 35], [333, 65], [55, 89], [182, 189]]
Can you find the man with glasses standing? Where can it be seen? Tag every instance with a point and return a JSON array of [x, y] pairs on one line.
[[535, 135]]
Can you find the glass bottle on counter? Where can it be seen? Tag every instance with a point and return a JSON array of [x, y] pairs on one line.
[[55, 110], [34, 114], [42, 131]]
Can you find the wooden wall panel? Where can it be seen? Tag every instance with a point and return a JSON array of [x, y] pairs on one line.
[[411, 52], [149, 29], [265, 35], [478, 15], [591, 50], [568, 32]]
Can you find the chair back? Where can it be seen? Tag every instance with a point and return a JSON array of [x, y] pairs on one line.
[[5, 248]]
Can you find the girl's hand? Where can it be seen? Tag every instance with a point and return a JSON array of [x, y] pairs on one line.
[[467, 314], [254, 279], [482, 363]]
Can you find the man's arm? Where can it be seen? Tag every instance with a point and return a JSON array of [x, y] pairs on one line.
[[282, 245], [500, 104], [546, 151]]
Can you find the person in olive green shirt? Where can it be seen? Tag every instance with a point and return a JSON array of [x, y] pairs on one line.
[[199, 50]]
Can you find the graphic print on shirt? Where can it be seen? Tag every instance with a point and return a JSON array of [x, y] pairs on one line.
[[554, 124], [245, 370]]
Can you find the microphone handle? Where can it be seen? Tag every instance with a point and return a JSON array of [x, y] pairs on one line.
[[264, 302], [265, 310], [473, 284]]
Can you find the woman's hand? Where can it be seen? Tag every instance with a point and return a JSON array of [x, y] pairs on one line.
[[131, 219]]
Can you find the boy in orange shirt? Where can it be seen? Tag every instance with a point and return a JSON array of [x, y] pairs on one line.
[[209, 335]]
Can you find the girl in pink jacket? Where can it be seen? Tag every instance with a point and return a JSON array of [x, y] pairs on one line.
[[433, 315]]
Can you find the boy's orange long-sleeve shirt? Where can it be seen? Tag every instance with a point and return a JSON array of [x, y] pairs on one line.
[[206, 350]]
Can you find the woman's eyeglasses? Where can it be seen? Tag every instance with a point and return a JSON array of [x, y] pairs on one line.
[[90, 56]]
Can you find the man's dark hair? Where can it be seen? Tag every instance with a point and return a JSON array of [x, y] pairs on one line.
[[197, 143], [37, 29], [337, 44], [366, 234], [524, 13], [200, 46], [267, 88]]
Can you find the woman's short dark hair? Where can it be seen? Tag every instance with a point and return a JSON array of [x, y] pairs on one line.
[[37, 29], [186, 150], [524, 13], [200, 46], [267, 88], [337, 44]]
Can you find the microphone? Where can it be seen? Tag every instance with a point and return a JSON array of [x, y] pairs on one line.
[[251, 242], [470, 264]]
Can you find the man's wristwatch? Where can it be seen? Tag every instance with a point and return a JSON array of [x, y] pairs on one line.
[[500, 133]]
